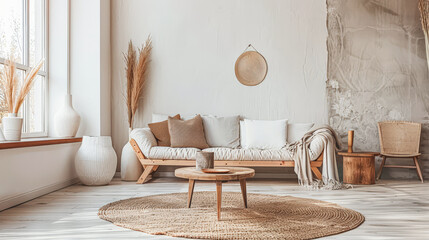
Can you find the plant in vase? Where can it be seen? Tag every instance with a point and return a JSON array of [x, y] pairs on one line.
[[13, 95], [137, 71]]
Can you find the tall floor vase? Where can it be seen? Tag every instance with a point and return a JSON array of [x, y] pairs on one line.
[[96, 160], [131, 169]]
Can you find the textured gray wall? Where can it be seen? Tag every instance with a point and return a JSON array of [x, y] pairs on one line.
[[377, 71]]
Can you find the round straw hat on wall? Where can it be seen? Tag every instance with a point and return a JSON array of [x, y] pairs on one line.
[[251, 67]]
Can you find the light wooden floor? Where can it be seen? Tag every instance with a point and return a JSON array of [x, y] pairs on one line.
[[393, 209]]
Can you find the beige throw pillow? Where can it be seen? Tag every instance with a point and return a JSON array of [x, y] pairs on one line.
[[189, 133], [160, 131]]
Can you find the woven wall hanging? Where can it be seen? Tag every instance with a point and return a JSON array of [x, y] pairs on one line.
[[251, 67]]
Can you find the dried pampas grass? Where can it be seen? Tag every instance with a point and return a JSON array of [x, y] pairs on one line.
[[27, 85], [424, 15], [137, 71], [9, 84], [13, 95], [130, 62]]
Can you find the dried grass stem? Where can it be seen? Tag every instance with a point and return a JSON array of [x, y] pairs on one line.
[[137, 71]]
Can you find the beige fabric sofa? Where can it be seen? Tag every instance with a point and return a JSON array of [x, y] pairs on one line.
[[152, 156]]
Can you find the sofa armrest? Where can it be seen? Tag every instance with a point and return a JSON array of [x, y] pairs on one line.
[[144, 138], [316, 147]]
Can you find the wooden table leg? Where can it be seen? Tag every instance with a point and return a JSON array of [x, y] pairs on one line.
[[219, 197], [190, 191], [244, 191]]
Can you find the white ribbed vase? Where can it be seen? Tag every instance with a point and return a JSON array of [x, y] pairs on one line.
[[96, 160], [12, 127]]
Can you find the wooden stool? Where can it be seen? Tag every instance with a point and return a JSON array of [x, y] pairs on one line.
[[359, 167]]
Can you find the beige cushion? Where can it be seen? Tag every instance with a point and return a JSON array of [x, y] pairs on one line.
[[243, 154], [160, 131], [172, 153], [189, 133]]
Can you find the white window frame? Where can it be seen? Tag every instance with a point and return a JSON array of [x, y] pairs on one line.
[[26, 67]]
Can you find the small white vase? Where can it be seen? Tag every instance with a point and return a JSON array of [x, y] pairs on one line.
[[96, 160], [12, 127], [131, 168], [66, 120]]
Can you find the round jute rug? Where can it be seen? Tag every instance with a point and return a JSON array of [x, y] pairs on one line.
[[267, 216]]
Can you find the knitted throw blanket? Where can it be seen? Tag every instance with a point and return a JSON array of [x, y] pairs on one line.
[[300, 153]]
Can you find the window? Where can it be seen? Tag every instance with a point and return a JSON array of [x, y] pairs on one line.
[[23, 34]]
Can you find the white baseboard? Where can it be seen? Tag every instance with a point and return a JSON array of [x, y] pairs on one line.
[[257, 175], [27, 196]]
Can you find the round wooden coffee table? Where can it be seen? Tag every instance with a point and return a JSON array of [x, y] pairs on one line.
[[234, 174]]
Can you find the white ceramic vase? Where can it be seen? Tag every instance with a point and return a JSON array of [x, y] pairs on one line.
[[131, 169], [67, 120], [96, 160], [12, 127]]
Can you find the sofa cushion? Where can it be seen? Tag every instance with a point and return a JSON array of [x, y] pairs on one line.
[[242, 134], [172, 153], [242, 154], [160, 131], [222, 131], [156, 117], [262, 134], [248, 154], [188, 133], [295, 131]]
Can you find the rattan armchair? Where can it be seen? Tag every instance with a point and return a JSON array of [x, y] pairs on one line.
[[400, 140]]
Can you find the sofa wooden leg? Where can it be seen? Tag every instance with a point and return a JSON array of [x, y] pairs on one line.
[[145, 174], [316, 172], [155, 168]]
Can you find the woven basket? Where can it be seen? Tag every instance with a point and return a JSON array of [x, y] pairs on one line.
[[399, 137]]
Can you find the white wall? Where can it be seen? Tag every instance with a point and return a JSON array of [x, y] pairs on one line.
[[195, 45], [57, 59], [90, 65], [26, 173]]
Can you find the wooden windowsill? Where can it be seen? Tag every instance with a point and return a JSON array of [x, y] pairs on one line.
[[34, 142]]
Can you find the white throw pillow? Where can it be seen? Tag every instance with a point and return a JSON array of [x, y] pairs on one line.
[[242, 134], [156, 117], [295, 131], [262, 134], [222, 131], [159, 117]]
